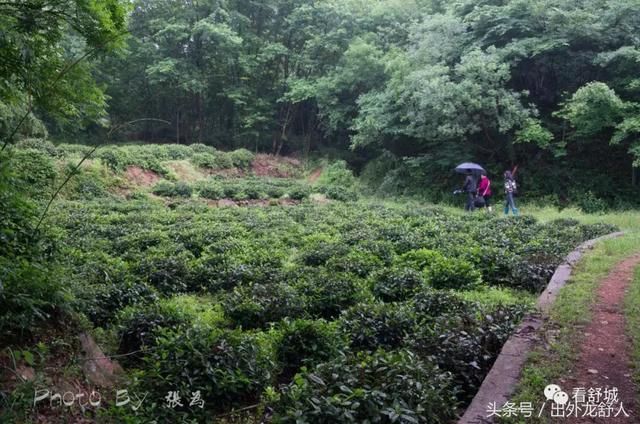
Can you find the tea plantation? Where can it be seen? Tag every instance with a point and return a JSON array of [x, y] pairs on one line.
[[305, 311]]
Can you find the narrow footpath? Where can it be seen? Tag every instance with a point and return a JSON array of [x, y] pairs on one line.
[[604, 360]]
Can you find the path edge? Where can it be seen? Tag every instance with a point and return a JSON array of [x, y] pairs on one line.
[[500, 383]]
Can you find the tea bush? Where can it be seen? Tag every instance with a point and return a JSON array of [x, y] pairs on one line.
[[452, 273], [397, 283], [256, 305], [380, 387], [169, 189], [210, 190], [229, 367], [307, 343], [466, 343], [241, 158], [328, 293], [429, 303], [369, 326], [246, 188], [204, 160], [202, 148]]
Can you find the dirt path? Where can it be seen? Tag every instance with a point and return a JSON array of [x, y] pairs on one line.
[[313, 177], [604, 359]]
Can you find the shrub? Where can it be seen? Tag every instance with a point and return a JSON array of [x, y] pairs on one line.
[[167, 271], [204, 160], [329, 293], [30, 294], [241, 158], [137, 330], [369, 326], [106, 299], [305, 343], [164, 188], [211, 190], [419, 259], [223, 160], [115, 158], [230, 368], [337, 174], [299, 192], [41, 144], [168, 189], [34, 172], [254, 191], [177, 151], [183, 189], [358, 262], [429, 303], [321, 251], [86, 183], [257, 305], [452, 273], [274, 191], [466, 344], [369, 387], [342, 194], [202, 148], [393, 284], [67, 150], [588, 202]]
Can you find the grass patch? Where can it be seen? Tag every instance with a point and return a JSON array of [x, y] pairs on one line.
[[548, 364], [632, 317], [493, 296], [627, 220]]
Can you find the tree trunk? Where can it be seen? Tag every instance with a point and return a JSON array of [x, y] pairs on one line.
[[178, 126]]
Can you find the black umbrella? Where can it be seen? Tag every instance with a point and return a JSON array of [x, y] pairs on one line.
[[463, 168]]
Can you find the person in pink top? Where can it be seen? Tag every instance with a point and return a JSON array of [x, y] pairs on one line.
[[484, 190]]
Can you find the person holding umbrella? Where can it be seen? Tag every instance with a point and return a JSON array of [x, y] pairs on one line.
[[470, 186]]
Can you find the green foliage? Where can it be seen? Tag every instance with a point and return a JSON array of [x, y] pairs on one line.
[[369, 326], [377, 387], [241, 158], [337, 174], [35, 172], [251, 188], [257, 305], [210, 190], [306, 343], [148, 157], [38, 144], [590, 203], [467, 342], [31, 287], [397, 283], [433, 303], [169, 189], [239, 300], [230, 368], [41, 71], [592, 108], [452, 273], [329, 293]]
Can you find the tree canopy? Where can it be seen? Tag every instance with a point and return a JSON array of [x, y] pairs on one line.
[[551, 85]]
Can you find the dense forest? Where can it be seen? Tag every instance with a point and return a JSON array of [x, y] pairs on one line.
[[401, 89]]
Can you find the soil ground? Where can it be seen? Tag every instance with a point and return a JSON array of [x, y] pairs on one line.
[[604, 359]]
